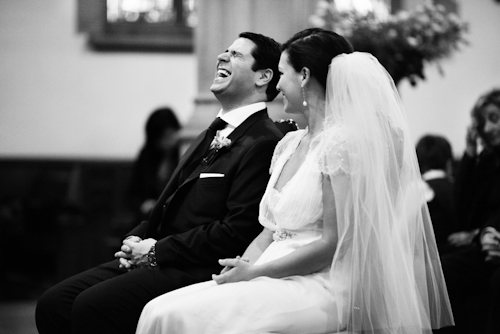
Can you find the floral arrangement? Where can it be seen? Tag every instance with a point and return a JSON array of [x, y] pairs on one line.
[[402, 42]]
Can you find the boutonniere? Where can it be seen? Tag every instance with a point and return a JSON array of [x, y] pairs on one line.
[[219, 142]]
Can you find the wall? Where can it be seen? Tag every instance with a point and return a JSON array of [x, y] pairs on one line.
[[60, 99]]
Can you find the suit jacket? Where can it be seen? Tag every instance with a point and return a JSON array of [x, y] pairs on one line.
[[200, 220], [477, 188], [442, 211]]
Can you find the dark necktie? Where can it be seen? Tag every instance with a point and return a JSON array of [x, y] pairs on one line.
[[217, 124]]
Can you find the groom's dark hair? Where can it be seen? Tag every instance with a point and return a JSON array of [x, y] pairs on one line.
[[267, 55]]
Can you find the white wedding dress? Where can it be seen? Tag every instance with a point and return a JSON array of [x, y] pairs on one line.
[[295, 304]]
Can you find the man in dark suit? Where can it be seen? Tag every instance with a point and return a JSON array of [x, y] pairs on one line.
[[435, 159], [207, 211]]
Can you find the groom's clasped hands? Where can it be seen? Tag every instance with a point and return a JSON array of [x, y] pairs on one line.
[[134, 251]]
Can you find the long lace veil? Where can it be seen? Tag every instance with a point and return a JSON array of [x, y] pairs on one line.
[[386, 253]]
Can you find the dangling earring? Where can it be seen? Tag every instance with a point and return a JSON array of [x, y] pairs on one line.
[[304, 103]]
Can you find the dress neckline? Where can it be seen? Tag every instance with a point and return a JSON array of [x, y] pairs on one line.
[[297, 143]]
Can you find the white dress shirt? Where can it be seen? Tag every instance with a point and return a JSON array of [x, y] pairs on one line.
[[237, 116], [431, 175]]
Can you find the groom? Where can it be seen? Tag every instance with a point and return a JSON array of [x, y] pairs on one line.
[[207, 211]]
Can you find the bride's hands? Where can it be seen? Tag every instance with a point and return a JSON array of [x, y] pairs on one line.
[[227, 268], [235, 270]]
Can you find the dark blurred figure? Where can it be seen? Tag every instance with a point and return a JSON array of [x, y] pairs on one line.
[[435, 159], [156, 161], [472, 272]]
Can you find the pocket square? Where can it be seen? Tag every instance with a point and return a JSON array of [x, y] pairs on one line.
[[207, 175]]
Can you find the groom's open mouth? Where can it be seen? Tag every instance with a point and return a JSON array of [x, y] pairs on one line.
[[222, 73]]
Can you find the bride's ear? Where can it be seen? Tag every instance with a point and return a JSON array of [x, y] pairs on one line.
[[305, 76]]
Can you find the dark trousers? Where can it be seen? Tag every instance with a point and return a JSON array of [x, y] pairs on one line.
[[474, 290], [493, 319], [104, 299]]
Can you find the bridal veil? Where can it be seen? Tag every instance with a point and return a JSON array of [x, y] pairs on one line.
[[386, 247]]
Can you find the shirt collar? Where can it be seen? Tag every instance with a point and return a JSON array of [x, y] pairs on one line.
[[434, 174], [237, 116]]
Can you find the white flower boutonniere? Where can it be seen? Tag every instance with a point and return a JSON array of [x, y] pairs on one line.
[[220, 142]]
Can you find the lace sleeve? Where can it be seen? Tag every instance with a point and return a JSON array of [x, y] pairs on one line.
[[281, 147], [333, 154]]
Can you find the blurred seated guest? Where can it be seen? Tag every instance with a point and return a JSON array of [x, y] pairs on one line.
[[476, 267], [435, 160], [156, 161]]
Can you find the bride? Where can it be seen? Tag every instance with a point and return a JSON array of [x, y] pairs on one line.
[[347, 242]]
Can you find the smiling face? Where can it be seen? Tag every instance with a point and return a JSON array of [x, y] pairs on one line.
[[234, 78], [290, 86], [491, 128]]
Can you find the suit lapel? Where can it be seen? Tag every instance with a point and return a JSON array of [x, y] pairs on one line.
[[186, 157], [172, 186], [240, 130], [237, 133]]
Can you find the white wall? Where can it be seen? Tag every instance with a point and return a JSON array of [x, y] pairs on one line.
[[58, 98], [442, 103]]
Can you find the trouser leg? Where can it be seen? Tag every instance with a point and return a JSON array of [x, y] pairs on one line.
[[53, 311], [114, 306], [493, 319]]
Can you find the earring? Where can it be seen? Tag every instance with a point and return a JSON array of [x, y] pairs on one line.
[[304, 102]]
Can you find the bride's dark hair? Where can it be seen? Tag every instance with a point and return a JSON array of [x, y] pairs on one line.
[[315, 48]]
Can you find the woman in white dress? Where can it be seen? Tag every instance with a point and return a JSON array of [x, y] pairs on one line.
[[347, 242]]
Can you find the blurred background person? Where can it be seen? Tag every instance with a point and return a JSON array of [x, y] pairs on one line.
[[472, 271], [155, 163], [435, 159], [477, 194]]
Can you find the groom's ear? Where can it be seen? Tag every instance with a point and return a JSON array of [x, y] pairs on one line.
[[305, 75], [264, 77]]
